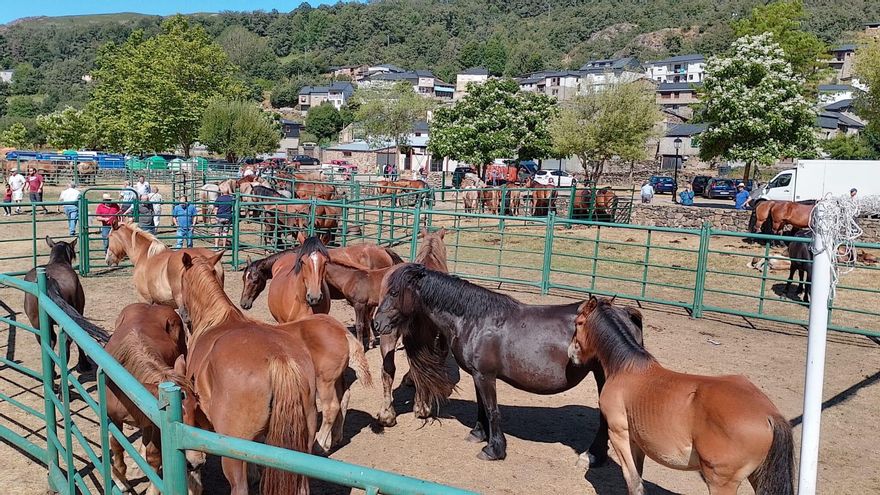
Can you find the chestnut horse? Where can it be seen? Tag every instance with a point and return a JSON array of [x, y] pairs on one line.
[[601, 209], [298, 288], [361, 287], [308, 190], [157, 269], [491, 200], [256, 380], [780, 214], [150, 342], [543, 197], [722, 426]]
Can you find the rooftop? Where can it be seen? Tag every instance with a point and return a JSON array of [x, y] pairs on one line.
[[841, 105], [367, 146], [686, 130], [611, 63], [843, 48], [694, 57], [475, 71], [345, 88], [830, 88], [679, 86]]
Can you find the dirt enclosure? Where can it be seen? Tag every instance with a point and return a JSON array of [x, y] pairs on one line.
[[544, 433]]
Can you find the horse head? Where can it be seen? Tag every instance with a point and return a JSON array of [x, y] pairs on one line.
[[310, 265], [595, 318], [253, 282], [61, 252], [400, 301], [118, 240]]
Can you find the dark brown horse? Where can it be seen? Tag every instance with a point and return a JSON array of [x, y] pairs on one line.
[[801, 257], [150, 342], [492, 336], [722, 426], [600, 207], [779, 214], [543, 197], [361, 287]]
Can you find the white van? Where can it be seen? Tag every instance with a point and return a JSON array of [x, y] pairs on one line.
[[814, 179]]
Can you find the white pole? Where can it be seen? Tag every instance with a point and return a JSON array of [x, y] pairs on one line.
[[820, 290]]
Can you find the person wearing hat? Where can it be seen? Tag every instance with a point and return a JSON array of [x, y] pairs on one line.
[[16, 182], [108, 214], [741, 199]]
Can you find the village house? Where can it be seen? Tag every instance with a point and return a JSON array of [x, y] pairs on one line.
[[474, 75], [689, 149], [596, 74], [423, 81], [337, 93], [842, 58], [561, 85], [678, 97], [289, 144], [372, 156], [683, 68]]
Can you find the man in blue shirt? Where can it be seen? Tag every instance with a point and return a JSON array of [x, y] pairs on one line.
[[223, 206], [742, 197], [183, 216], [686, 196]]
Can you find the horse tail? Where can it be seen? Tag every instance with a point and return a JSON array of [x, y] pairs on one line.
[[288, 425], [357, 360], [775, 475], [426, 352], [753, 220], [96, 332]]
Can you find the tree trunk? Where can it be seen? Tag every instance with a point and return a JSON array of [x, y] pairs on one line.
[[747, 171]]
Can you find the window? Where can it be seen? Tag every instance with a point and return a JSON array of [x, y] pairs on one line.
[[346, 153], [690, 77], [436, 165], [665, 96], [781, 181]]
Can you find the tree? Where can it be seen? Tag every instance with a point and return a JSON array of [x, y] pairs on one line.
[[26, 80], [494, 120], [286, 94], [471, 54], [390, 113], [843, 147], [238, 129], [65, 129], [495, 56], [754, 106], [15, 136], [867, 68], [248, 51], [149, 94], [604, 123], [22, 106], [324, 121]]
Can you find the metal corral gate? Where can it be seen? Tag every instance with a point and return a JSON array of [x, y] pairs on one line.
[[79, 464]]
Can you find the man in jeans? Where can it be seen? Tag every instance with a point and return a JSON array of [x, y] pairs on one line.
[[183, 216], [223, 206], [35, 188], [108, 214], [71, 210]]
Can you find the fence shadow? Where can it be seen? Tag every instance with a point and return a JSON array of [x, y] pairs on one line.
[[843, 396]]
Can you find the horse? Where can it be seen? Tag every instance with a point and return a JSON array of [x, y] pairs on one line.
[[432, 254], [511, 200], [208, 194], [309, 190], [722, 426], [492, 336], [402, 186], [801, 257], [543, 197], [602, 206], [255, 379], [257, 273], [491, 200], [470, 195], [790, 213], [361, 287], [150, 342], [66, 288], [157, 269], [298, 288]]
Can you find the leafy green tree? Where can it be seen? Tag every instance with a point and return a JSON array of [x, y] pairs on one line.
[[843, 147], [237, 129], [601, 124], [249, 51], [65, 129], [25, 79], [495, 56], [22, 106], [471, 54], [324, 121], [524, 59], [494, 120], [4, 92], [755, 107], [867, 68], [390, 113], [286, 94], [149, 94], [15, 136]]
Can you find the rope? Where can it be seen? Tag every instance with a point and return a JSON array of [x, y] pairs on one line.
[[836, 224]]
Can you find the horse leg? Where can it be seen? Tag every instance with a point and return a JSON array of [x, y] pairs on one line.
[[791, 271], [478, 433], [119, 468], [620, 441], [153, 454], [807, 285], [327, 391], [800, 271], [597, 454], [342, 390], [359, 317], [236, 474], [387, 343], [496, 449]]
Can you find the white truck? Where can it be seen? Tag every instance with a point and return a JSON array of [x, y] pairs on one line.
[[815, 179]]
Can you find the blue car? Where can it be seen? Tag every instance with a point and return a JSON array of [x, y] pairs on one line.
[[662, 185], [720, 188]]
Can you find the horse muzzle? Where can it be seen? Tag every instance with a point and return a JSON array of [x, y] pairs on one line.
[[574, 351], [313, 300], [246, 303]]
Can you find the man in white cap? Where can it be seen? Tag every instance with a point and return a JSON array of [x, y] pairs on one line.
[[16, 182], [742, 197], [108, 214]]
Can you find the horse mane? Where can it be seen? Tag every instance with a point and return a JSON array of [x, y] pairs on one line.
[[432, 252], [145, 364], [611, 334], [266, 263], [156, 246], [395, 258], [261, 190], [312, 245], [213, 305], [452, 294]]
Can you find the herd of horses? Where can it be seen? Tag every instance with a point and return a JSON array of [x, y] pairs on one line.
[[263, 381]]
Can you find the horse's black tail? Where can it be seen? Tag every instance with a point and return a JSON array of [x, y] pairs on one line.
[[753, 221], [96, 332], [395, 258], [775, 475], [426, 351]]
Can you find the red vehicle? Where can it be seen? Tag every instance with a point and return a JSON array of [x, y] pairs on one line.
[[340, 167]]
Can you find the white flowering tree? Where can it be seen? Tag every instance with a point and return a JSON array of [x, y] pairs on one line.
[[494, 120], [754, 106]]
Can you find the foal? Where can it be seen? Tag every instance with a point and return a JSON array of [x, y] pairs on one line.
[[722, 426]]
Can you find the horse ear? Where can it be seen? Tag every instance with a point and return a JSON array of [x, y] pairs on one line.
[[634, 315], [73, 243], [422, 232], [187, 261], [442, 232], [248, 259], [50, 242], [213, 260], [589, 305], [180, 365]]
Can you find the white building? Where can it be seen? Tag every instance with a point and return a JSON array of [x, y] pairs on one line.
[[561, 85], [337, 93], [423, 82], [832, 93], [683, 68], [474, 75], [596, 74]]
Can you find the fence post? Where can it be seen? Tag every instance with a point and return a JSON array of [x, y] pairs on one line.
[[548, 253], [48, 369], [571, 196], [236, 229], [312, 210], [414, 241], [84, 248], [702, 267], [345, 209], [173, 459]]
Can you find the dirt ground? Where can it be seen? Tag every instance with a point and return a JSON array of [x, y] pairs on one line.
[[544, 433]]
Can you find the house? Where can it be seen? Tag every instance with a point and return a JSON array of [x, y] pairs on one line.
[[595, 74], [423, 81], [289, 144], [831, 93], [337, 93], [373, 156], [690, 147], [349, 72], [683, 68], [6, 76], [678, 96], [474, 75], [873, 29], [842, 58], [838, 118], [561, 85]]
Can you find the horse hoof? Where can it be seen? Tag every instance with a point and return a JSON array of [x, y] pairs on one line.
[[387, 418], [489, 456], [588, 460], [472, 438]]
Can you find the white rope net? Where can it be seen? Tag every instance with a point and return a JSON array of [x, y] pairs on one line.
[[835, 220]]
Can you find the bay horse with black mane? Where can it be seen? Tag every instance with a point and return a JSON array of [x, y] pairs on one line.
[[722, 426], [543, 197], [492, 336], [600, 206]]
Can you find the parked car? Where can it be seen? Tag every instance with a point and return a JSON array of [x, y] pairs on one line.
[[699, 183], [458, 175], [720, 188], [559, 178], [304, 160], [662, 184], [749, 183]]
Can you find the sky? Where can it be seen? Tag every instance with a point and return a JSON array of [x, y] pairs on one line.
[[13, 9]]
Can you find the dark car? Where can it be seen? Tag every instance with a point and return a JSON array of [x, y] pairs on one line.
[[301, 160], [720, 188], [662, 184], [699, 183], [749, 183], [458, 175]]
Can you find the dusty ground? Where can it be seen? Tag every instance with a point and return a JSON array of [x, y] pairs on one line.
[[544, 433]]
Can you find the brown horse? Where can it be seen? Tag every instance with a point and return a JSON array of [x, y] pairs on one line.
[[785, 213], [470, 195], [511, 200], [256, 380], [309, 190], [490, 198], [150, 342], [298, 288], [361, 287], [157, 269], [723, 426], [601, 208], [543, 197]]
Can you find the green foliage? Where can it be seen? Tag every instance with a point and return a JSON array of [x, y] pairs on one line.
[[601, 124], [286, 94], [324, 121], [495, 56], [149, 94], [237, 129], [526, 58], [250, 52], [867, 68], [389, 113], [754, 106], [471, 55], [494, 120], [15, 136], [843, 147], [25, 80], [65, 129], [22, 106]]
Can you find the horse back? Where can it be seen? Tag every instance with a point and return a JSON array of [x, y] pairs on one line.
[[157, 327], [68, 284]]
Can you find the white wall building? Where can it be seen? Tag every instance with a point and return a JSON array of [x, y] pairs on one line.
[[683, 68], [475, 75]]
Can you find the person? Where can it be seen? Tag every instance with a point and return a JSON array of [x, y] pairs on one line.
[[494, 177], [183, 217], [71, 211], [853, 192], [7, 210], [223, 206], [423, 173], [156, 201], [145, 215], [394, 172], [647, 192], [742, 197], [142, 187], [686, 196], [387, 171], [248, 171], [127, 197], [35, 188], [108, 214], [16, 182]]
